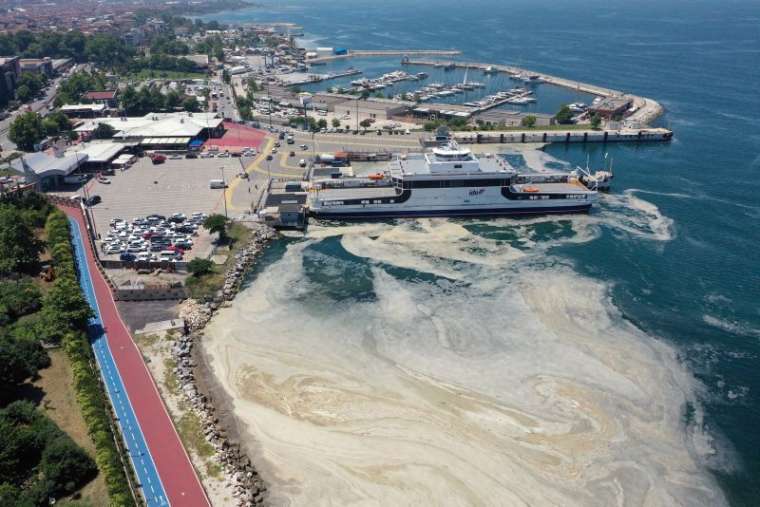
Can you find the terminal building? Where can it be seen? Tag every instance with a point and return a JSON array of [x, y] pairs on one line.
[[166, 131], [47, 171]]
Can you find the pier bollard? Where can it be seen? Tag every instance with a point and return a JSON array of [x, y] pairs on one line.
[[544, 137], [501, 138], [605, 135], [567, 137], [522, 138], [585, 137]]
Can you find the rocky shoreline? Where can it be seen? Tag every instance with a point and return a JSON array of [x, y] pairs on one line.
[[243, 479]]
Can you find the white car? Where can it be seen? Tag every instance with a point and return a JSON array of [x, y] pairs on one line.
[[206, 154]]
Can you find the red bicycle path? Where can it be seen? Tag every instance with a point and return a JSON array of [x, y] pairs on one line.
[[181, 483]]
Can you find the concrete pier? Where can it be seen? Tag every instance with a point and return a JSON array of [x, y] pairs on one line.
[[647, 110], [363, 53], [563, 136]]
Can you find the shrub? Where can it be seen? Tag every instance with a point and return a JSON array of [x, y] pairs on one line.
[[199, 266]]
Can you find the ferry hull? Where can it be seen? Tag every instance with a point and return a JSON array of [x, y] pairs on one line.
[[375, 214]]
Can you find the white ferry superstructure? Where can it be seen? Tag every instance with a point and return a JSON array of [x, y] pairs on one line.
[[449, 181]]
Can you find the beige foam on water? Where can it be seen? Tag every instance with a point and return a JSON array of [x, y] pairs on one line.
[[522, 387]]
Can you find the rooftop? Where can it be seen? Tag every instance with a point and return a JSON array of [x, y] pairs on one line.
[[100, 95], [42, 164], [157, 124], [98, 151]]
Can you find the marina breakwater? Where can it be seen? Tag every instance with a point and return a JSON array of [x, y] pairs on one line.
[[364, 53], [246, 485], [564, 136]]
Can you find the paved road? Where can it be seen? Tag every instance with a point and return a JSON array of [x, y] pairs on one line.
[[41, 105], [150, 435]]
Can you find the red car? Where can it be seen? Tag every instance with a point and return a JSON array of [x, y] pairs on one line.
[[157, 158]]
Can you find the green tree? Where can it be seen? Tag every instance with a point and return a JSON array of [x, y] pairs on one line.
[[191, 105], [226, 77], [26, 131], [65, 466], [103, 131], [19, 249], [198, 266], [564, 115], [129, 100], [217, 224], [18, 298], [172, 100], [322, 123], [335, 123], [528, 121], [20, 360], [66, 306], [596, 121], [365, 123], [24, 93], [55, 123]]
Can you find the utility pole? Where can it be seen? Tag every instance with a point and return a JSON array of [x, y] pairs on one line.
[[224, 189], [269, 97], [357, 114]]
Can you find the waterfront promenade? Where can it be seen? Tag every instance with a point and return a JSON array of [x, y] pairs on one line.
[[161, 464]]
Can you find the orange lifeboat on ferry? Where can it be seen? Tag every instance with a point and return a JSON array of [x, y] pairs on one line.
[[531, 189], [376, 176]]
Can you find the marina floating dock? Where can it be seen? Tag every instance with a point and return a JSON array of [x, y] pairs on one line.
[[647, 110]]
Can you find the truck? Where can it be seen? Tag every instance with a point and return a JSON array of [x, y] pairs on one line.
[[290, 139], [217, 184]]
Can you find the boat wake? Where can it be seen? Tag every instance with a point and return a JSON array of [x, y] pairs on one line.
[[477, 368]]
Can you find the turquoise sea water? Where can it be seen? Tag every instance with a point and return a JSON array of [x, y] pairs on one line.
[[677, 242]]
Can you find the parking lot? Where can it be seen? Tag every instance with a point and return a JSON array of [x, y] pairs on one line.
[[175, 186]]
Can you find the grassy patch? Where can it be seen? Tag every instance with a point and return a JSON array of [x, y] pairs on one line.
[[147, 340], [170, 381], [146, 74], [190, 430], [206, 285], [213, 470]]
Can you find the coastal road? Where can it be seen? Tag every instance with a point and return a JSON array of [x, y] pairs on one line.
[[149, 433]]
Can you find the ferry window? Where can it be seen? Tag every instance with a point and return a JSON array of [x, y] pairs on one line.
[[457, 166]]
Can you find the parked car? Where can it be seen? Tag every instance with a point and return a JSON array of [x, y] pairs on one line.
[[157, 158], [92, 200], [302, 163], [191, 155], [127, 257]]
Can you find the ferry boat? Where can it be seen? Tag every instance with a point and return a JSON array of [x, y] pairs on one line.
[[450, 181]]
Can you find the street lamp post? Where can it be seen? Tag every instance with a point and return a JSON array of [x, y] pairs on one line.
[[224, 190]]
